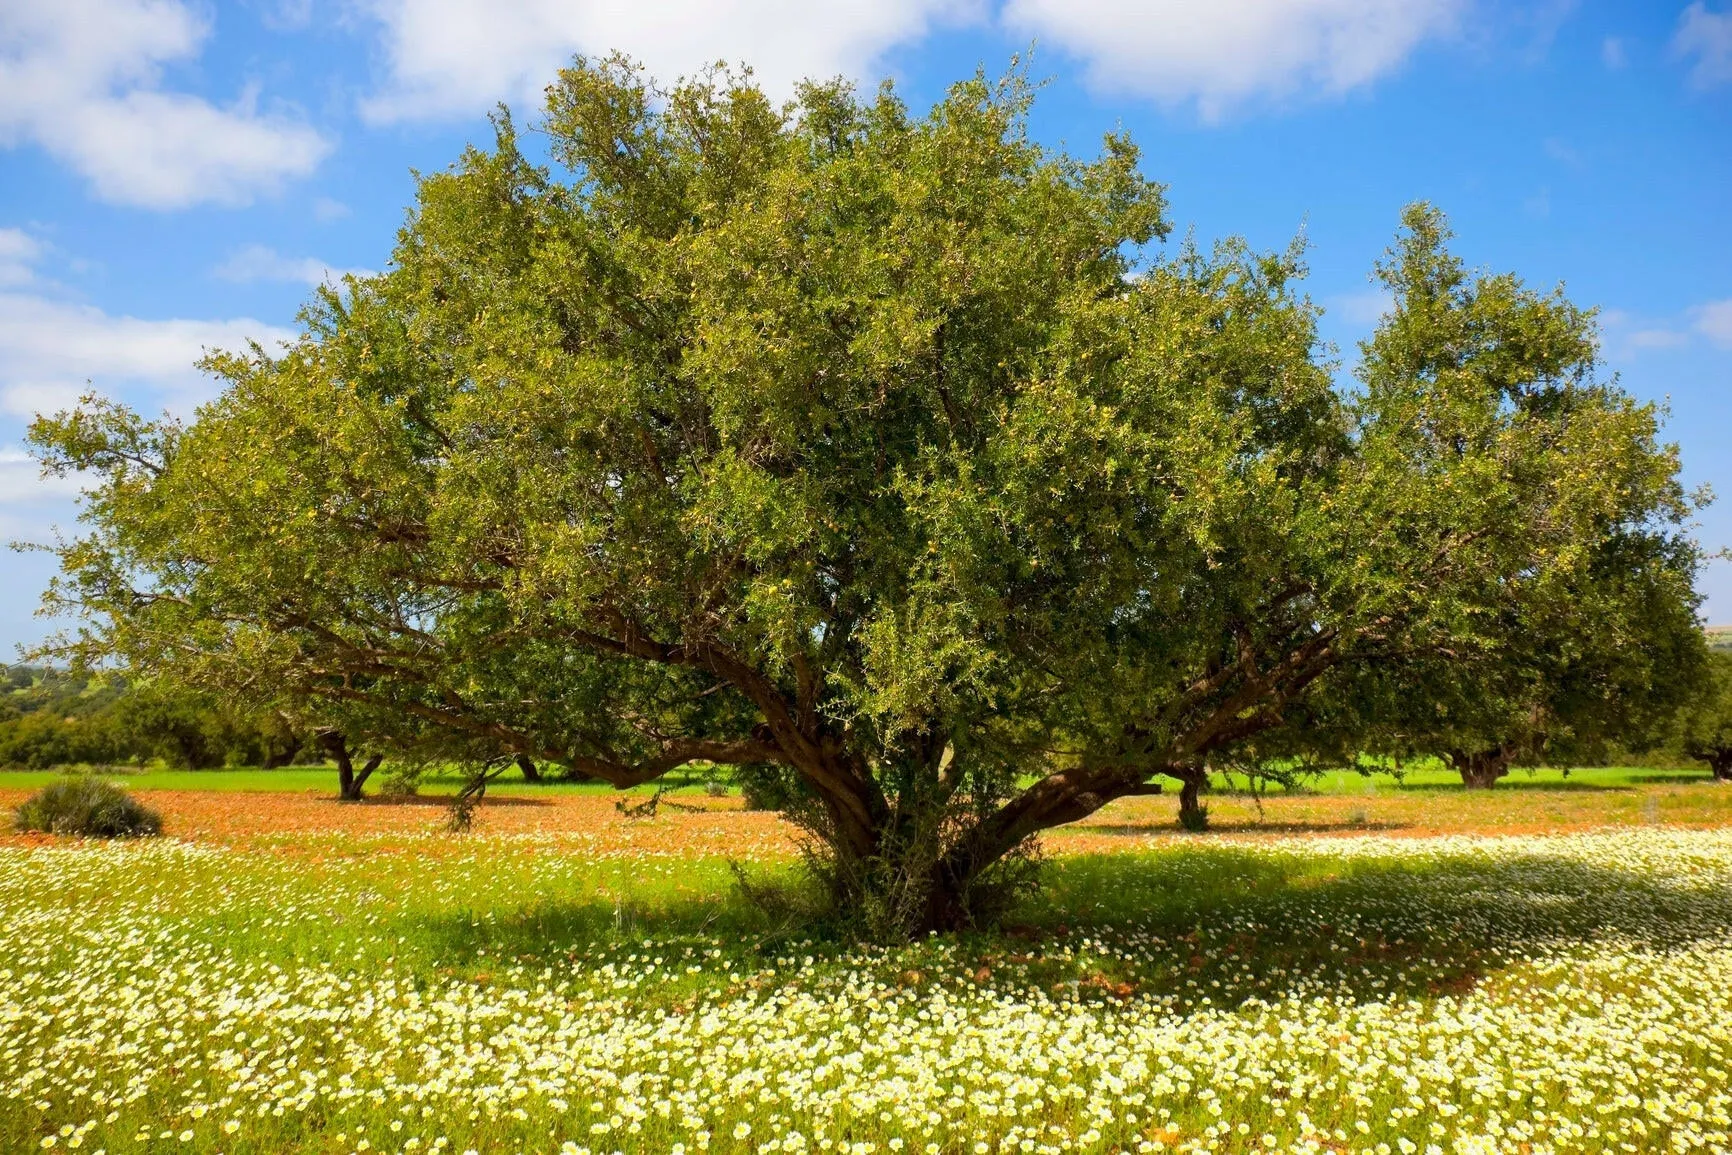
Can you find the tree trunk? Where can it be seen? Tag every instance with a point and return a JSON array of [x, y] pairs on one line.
[[349, 780], [1189, 806], [527, 764], [1480, 770], [1721, 764], [276, 757]]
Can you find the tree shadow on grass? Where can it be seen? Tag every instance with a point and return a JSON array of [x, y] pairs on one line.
[[1165, 827], [487, 803], [1526, 786], [1272, 925], [1192, 925]]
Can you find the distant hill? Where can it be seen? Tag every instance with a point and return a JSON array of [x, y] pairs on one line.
[[1720, 638]]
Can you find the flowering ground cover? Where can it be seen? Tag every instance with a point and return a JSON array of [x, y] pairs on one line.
[[404, 991]]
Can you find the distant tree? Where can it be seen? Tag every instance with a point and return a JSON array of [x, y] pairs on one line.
[[876, 449], [1601, 666], [350, 778], [1703, 727]]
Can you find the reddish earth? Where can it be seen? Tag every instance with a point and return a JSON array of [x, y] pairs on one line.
[[702, 825]]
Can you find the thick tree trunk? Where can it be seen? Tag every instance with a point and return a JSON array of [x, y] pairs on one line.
[[1190, 809], [1481, 769], [527, 764], [1721, 764]]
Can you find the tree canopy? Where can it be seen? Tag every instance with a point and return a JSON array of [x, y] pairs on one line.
[[1703, 726], [888, 452]]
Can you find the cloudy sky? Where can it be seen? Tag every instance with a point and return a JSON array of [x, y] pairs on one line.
[[176, 175]]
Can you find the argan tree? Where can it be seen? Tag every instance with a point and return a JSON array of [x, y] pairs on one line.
[[882, 451], [1704, 723], [1602, 663]]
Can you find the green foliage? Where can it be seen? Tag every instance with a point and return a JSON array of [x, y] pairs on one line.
[[876, 447], [764, 786], [1702, 729], [87, 806], [51, 717], [1557, 662], [1194, 819]]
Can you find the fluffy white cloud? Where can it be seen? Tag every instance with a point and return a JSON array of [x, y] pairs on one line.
[[457, 57], [49, 349], [52, 351], [1714, 321], [263, 263], [1221, 54], [1705, 37], [81, 79]]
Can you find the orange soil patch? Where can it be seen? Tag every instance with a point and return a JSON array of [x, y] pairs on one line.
[[318, 823]]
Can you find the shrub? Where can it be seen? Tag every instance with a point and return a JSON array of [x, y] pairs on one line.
[[1196, 821], [403, 781], [87, 806], [765, 787]]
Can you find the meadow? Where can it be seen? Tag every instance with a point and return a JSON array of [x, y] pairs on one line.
[[1369, 967]]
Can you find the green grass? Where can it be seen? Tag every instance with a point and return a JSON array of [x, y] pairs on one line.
[[321, 779], [316, 780], [499, 993]]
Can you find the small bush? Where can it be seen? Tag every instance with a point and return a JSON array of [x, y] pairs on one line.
[[87, 806], [1196, 821], [765, 787], [402, 781]]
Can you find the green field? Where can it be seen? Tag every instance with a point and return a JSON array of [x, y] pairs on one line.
[[316, 779]]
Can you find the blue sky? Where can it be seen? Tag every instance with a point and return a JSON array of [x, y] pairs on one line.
[[176, 175]]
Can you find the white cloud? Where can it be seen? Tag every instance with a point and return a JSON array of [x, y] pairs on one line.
[[457, 57], [49, 349], [1706, 36], [1561, 152], [1657, 338], [52, 351], [1629, 336], [22, 483], [18, 252], [1221, 54], [1613, 53], [81, 79], [328, 209], [1363, 309], [1714, 321], [263, 263]]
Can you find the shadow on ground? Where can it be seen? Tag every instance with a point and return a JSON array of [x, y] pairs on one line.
[[1193, 925], [1165, 827], [1534, 786]]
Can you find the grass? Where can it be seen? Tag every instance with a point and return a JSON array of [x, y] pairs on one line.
[[609, 990], [315, 779], [305, 779]]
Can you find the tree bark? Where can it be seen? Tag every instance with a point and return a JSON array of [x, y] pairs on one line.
[[1190, 809], [1481, 769], [276, 757], [527, 764], [349, 780], [1721, 764]]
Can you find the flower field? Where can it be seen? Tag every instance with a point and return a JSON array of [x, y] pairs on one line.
[[348, 992]]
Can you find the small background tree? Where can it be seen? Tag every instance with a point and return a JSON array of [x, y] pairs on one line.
[[1702, 729]]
